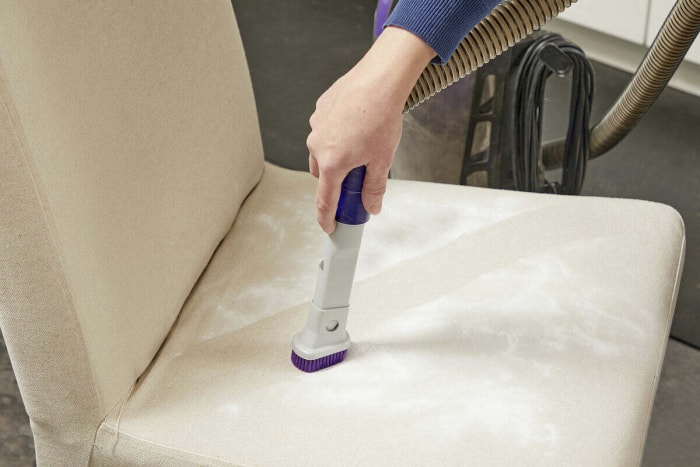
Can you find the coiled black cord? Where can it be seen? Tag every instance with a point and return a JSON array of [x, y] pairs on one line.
[[550, 54]]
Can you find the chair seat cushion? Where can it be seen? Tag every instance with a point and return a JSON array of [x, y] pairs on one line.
[[488, 328]]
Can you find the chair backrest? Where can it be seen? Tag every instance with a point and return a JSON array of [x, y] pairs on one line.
[[128, 141]]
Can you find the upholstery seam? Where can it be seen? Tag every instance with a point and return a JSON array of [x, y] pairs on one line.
[[168, 448], [68, 295], [670, 311]]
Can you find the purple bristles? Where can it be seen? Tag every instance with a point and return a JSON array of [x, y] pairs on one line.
[[310, 366]]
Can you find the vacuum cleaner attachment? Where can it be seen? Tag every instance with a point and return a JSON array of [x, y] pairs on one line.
[[324, 341]]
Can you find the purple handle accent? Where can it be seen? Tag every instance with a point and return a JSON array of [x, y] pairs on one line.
[[350, 209], [380, 16]]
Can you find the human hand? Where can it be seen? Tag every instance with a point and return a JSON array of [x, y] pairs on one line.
[[353, 125], [358, 121]]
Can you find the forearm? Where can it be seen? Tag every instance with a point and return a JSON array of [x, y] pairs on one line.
[[394, 64], [442, 24], [357, 121]]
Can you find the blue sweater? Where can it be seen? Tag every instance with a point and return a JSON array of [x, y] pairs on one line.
[[442, 24]]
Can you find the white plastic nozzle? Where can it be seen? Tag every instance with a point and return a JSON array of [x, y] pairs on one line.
[[325, 332]]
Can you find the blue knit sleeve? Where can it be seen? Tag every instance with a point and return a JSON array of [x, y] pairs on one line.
[[442, 24]]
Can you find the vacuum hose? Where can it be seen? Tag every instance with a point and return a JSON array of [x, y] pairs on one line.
[[512, 20], [660, 63], [507, 24]]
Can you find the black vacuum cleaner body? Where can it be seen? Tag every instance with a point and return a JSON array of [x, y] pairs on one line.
[[499, 111]]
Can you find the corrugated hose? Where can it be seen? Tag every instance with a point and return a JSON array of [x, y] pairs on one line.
[[512, 20]]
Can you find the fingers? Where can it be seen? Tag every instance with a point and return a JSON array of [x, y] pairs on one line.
[[374, 188], [327, 191], [313, 166], [327, 194]]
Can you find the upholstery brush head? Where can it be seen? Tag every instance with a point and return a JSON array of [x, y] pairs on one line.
[[310, 366]]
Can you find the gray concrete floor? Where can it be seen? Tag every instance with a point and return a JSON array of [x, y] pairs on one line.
[[297, 48], [16, 442]]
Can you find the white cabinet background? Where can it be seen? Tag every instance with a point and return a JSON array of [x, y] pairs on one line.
[[636, 21]]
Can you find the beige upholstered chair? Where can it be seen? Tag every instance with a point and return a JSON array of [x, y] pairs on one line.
[[153, 270]]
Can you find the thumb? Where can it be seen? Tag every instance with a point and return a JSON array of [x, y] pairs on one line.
[[373, 188]]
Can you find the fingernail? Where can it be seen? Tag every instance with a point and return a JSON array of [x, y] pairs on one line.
[[328, 228]]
